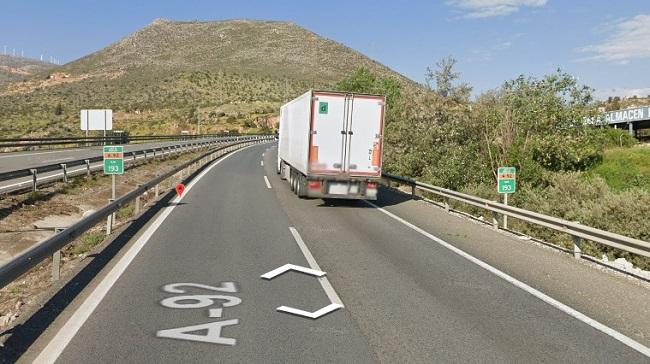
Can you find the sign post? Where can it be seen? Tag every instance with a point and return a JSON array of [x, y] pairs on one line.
[[506, 184], [113, 164]]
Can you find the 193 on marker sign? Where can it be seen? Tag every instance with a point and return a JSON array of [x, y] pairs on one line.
[[507, 179], [113, 159]]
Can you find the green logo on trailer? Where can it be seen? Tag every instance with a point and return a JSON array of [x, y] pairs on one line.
[[114, 159], [322, 107], [507, 179]]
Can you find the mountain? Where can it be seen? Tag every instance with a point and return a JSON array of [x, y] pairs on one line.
[[168, 75], [14, 68]]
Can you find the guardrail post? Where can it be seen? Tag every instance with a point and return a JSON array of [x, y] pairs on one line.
[[413, 190], [56, 260], [154, 154], [577, 242], [64, 167], [144, 152], [495, 220], [446, 202], [157, 190], [110, 219], [109, 224], [138, 200], [34, 173], [87, 161]]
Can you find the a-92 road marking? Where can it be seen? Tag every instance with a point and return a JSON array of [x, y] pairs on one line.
[[266, 180], [517, 283], [68, 331]]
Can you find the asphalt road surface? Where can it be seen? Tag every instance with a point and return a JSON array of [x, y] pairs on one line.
[[406, 297]]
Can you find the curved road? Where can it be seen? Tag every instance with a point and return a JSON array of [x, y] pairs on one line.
[[406, 297]]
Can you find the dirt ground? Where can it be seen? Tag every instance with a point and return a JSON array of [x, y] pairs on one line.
[[30, 218]]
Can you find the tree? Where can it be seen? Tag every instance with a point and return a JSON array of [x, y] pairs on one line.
[[537, 123], [364, 81], [445, 77]]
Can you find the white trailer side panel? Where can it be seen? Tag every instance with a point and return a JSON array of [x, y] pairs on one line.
[[294, 132]]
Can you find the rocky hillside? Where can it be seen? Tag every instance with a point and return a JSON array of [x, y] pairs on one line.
[[165, 77], [18, 68]]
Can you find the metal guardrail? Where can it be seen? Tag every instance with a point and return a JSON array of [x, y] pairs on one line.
[[51, 246], [115, 139], [91, 164], [576, 230]]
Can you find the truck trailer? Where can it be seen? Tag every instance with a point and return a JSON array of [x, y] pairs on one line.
[[330, 144]]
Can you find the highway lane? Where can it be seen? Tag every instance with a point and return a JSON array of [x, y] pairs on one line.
[[22, 160], [406, 298], [215, 236]]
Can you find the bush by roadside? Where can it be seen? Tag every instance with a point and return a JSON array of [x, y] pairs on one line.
[[578, 197]]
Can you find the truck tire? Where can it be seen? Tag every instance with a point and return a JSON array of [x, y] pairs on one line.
[[292, 180], [302, 186]]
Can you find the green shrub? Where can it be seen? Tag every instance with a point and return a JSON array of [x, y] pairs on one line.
[[611, 138], [578, 197], [558, 152]]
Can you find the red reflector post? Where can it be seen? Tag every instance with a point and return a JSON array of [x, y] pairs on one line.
[[315, 185]]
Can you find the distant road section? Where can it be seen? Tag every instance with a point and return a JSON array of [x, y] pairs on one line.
[[21, 160]]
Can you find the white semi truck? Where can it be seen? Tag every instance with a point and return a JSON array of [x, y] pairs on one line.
[[330, 144]]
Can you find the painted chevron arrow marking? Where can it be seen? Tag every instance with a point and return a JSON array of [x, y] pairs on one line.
[[287, 267], [295, 311], [312, 315]]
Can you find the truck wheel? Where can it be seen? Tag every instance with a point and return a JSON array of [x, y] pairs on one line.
[[292, 180], [302, 187]]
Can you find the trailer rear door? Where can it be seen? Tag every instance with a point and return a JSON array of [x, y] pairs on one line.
[[364, 135], [329, 113]]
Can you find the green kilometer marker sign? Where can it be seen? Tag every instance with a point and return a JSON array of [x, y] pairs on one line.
[[507, 179], [113, 159]]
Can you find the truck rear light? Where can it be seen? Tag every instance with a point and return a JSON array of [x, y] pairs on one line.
[[315, 185], [371, 185]]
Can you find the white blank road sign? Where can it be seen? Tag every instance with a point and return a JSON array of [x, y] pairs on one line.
[[97, 119]]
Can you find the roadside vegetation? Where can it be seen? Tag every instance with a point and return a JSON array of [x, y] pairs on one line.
[[597, 176]]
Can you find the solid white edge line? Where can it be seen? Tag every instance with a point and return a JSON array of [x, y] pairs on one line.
[[66, 333], [324, 282], [266, 180], [551, 301]]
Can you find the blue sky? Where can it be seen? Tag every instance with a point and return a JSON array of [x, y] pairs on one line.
[[606, 44]]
